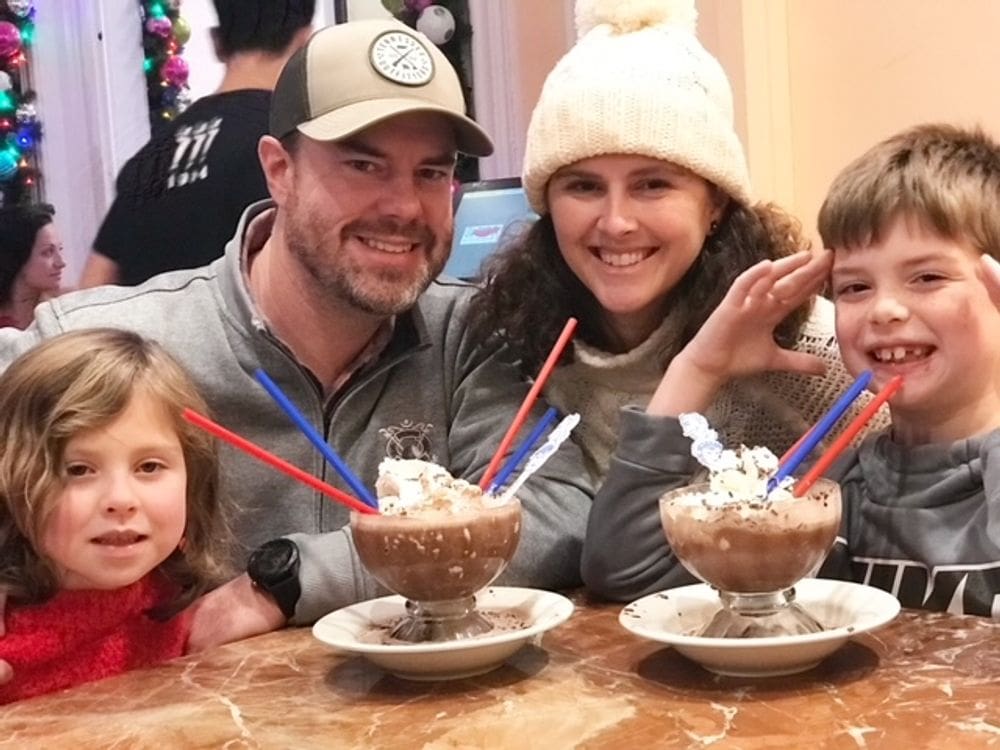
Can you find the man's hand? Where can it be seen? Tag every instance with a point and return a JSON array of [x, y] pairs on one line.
[[991, 277], [738, 337], [6, 673], [234, 611]]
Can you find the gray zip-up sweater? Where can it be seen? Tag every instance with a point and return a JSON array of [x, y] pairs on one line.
[[920, 522], [431, 394]]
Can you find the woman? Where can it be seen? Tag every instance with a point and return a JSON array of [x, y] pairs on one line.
[[646, 223], [635, 169], [31, 261]]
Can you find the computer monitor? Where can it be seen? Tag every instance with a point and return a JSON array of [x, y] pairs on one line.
[[484, 210]]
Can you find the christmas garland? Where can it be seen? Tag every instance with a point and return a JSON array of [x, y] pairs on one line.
[[164, 34], [20, 129]]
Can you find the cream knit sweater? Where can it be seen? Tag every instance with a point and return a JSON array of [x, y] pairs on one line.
[[773, 409]]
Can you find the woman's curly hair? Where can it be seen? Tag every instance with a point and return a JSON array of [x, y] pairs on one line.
[[529, 291]]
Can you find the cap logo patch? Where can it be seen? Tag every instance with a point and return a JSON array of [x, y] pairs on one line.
[[401, 58]]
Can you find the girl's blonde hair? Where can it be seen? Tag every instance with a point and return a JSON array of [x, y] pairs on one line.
[[81, 381]]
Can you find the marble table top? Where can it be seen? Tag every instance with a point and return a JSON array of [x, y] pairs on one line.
[[924, 681]]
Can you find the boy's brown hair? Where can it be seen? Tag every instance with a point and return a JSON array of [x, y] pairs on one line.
[[944, 177], [81, 381]]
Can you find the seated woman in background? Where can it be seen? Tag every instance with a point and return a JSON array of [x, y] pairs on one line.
[[647, 219], [31, 261]]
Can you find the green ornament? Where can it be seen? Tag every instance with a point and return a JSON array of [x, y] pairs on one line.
[[8, 166], [394, 6], [182, 30]]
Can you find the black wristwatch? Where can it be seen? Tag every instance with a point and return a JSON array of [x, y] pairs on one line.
[[274, 567]]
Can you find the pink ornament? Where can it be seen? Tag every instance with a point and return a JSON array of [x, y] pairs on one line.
[[418, 6], [10, 39], [174, 71], [160, 27]]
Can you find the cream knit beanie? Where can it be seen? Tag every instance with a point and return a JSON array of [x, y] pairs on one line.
[[636, 82]]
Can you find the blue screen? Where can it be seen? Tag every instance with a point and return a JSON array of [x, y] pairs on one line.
[[480, 221]]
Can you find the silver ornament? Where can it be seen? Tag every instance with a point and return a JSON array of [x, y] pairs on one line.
[[436, 23], [19, 7], [183, 100], [5, 83], [26, 114]]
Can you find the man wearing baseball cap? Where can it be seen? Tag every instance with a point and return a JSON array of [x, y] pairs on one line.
[[330, 287]]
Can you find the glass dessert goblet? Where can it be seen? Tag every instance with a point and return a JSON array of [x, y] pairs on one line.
[[437, 561], [753, 551]]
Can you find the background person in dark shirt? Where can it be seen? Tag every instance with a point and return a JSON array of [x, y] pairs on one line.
[[180, 196]]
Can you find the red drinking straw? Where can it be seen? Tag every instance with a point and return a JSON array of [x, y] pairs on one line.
[[802, 486], [281, 465], [529, 401]]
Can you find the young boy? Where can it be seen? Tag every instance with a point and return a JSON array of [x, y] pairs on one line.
[[915, 230]]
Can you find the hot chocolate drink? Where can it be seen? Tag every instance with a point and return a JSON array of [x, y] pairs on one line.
[[749, 539], [436, 557], [436, 542], [753, 544]]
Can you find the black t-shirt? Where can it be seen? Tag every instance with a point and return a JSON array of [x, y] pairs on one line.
[[180, 197]]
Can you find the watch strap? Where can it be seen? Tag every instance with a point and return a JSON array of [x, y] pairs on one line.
[[274, 568]]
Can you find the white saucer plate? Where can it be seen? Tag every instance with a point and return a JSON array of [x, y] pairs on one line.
[[846, 609], [346, 629]]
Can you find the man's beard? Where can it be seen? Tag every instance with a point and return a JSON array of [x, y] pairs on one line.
[[380, 293]]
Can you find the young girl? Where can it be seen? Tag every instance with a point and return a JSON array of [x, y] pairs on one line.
[[31, 261], [111, 520]]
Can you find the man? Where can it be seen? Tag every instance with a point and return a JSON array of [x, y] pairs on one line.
[[329, 287], [180, 196]]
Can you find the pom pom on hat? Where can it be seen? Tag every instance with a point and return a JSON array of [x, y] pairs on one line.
[[636, 82], [625, 16]]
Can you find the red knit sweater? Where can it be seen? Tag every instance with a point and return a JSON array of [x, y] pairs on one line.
[[79, 636]]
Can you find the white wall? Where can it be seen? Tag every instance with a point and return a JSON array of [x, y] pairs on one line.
[[83, 50], [206, 70], [358, 9]]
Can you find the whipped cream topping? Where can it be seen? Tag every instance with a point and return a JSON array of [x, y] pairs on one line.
[[743, 473], [415, 487], [735, 476]]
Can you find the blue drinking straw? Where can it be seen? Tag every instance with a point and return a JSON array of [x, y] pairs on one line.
[[315, 438], [522, 450], [821, 429]]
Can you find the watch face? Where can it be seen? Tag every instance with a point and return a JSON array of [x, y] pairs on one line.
[[272, 561], [402, 58]]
